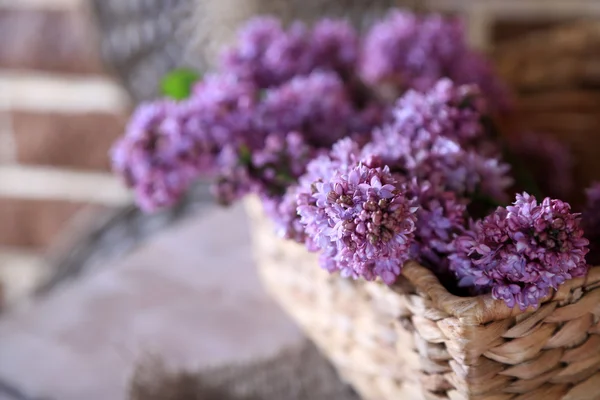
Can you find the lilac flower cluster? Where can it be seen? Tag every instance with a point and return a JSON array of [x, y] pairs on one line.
[[437, 137], [269, 55], [155, 158], [408, 51], [522, 251], [440, 216], [299, 116], [361, 221]]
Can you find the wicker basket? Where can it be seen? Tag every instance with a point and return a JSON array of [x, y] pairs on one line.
[[417, 341]]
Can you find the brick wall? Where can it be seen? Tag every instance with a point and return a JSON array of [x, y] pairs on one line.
[[59, 114]]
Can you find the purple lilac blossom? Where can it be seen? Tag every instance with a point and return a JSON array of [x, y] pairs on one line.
[[591, 223], [343, 155], [440, 216], [447, 109], [335, 46], [222, 110], [155, 158], [522, 251], [246, 58], [361, 222], [441, 161], [408, 51], [283, 212], [437, 137], [316, 105], [269, 55]]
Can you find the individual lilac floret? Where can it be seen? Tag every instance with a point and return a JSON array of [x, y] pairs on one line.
[[441, 216], [155, 158], [408, 51], [591, 223], [522, 251], [362, 222], [549, 161], [316, 105]]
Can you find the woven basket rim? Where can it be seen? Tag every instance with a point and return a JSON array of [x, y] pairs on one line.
[[477, 310]]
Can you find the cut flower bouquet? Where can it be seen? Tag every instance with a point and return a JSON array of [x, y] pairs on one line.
[[451, 265], [307, 118]]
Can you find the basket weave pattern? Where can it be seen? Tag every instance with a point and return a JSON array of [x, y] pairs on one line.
[[417, 341]]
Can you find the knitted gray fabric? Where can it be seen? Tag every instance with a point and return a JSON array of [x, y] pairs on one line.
[[142, 40], [299, 373]]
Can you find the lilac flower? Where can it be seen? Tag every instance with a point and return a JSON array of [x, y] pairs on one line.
[[246, 58], [316, 105], [280, 162], [522, 251], [222, 111], [407, 51], [442, 162], [155, 158], [549, 161], [447, 109], [361, 221], [269, 55], [335, 46], [591, 222], [283, 212], [440, 216]]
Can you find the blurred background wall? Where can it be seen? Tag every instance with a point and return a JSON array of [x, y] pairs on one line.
[[59, 113]]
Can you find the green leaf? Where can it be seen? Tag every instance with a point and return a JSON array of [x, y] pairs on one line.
[[178, 83], [245, 155]]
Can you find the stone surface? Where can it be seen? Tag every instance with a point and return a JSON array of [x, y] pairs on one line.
[[190, 295], [79, 141], [34, 223]]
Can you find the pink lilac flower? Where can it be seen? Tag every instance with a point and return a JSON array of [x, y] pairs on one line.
[[437, 137], [521, 252], [549, 161], [317, 105], [441, 161], [280, 162], [246, 58], [440, 216], [447, 109], [407, 51], [362, 223], [155, 158], [335, 46], [269, 55], [591, 222], [343, 155], [283, 212], [222, 110]]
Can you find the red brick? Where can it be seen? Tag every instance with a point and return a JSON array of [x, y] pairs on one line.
[[34, 223], [79, 141], [49, 40]]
